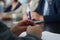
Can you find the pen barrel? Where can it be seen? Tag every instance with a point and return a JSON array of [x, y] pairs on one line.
[[29, 14]]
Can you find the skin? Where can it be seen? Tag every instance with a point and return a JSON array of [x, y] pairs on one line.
[[34, 29], [14, 3], [21, 26], [34, 15], [29, 1]]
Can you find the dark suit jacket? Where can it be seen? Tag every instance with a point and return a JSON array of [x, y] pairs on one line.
[[54, 12], [54, 17], [6, 34]]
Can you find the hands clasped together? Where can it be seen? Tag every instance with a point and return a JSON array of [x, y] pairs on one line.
[[29, 26]]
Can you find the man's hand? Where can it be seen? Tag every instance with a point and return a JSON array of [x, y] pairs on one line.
[[21, 26], [26, 23], [35, 30], [36, 16]]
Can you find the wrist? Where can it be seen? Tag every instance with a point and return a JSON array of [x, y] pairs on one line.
[[36, 30]]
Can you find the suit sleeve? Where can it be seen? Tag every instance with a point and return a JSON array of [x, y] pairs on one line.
[[54, 12], [57, 2]]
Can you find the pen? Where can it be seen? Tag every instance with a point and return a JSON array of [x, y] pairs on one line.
[[29, 14]]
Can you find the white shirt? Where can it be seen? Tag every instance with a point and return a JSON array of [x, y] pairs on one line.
[[28, 6], [50, 36], [46, 8]]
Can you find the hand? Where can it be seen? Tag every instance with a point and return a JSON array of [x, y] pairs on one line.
[[36, 16], [35, 30], [21, 26], [26, 23]]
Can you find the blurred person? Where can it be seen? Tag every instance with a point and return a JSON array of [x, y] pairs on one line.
[[54, 12], [6, 34], [33, 5], [4, 4], [8, 3], [1, 6], [16, 8], [14, 12], [53, 18], [51, 13]]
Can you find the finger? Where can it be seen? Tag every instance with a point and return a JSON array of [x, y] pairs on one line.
[[25, 23]]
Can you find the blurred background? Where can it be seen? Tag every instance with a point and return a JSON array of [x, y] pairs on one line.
[[13, 11]]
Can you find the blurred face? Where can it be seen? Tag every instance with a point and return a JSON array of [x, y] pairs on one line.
[[29, 0], [8, 2], [12, 0]]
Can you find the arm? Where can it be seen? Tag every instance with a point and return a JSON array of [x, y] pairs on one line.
[[31, 31], [36, 16], [5, 34], [11, 15], [5, 16]]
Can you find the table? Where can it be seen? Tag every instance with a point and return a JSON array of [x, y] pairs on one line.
[[51, 31], [50, 36]]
